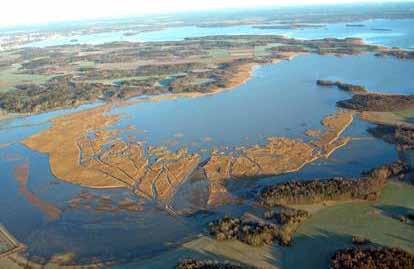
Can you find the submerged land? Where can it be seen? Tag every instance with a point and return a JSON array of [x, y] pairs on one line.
[[349, 222], [79, 151], [89, 154], [77, 155]]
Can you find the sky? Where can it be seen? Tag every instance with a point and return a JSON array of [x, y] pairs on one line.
[[17, 12]]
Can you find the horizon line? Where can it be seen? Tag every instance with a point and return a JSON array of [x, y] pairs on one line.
[[201, 10]]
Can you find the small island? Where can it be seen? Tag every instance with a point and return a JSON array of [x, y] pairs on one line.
[[356, 25], [342, 86], [198, 146]]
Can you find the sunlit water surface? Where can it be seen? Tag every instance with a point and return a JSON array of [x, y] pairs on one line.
[[279, 100], [399, 33]]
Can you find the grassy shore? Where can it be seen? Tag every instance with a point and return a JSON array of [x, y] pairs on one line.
[[332, 228]]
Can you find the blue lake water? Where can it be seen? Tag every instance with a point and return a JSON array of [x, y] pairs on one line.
[[16, 129], [398, 33], [87, 233], [279, 100]]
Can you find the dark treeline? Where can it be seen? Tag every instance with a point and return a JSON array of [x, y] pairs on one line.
[[399, 135], [280, 226], [209, 264], [63, 92], [70, 90], [378, 102], [368, 187], [372, 258]]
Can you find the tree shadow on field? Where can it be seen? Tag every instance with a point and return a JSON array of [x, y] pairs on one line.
[[314, 251], [395, 212]]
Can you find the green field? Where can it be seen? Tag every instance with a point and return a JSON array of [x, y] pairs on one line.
[[113, 81], [406, 115], [218, 53], [207, 248], [328, 230], [10, 77], [332, 228], [260, 51]]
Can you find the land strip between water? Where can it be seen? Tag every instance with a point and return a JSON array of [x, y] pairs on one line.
[[86, 153]]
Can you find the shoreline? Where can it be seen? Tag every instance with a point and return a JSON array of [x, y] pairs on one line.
[[344, 143], [69, 130], [4, 116], [340, 145], [242, 76], [384, 118], [279, 156], [118, 125]]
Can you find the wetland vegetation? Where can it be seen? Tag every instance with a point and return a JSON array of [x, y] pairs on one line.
[[105, 192]]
